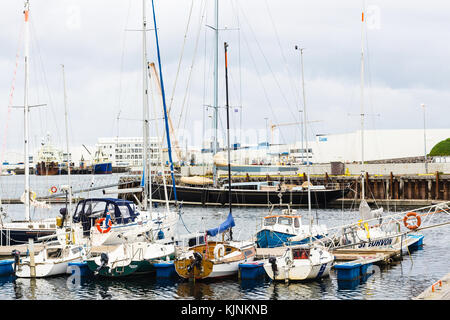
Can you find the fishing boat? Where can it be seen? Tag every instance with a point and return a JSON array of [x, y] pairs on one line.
[[299, 263], [101, 164], [286, 228], [49, 159], [133, 258], [19, 231], [52, 260]]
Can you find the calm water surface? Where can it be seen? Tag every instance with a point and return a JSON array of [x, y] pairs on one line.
[[401, 281]]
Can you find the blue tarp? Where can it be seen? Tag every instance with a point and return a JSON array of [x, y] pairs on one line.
[[229, 223]]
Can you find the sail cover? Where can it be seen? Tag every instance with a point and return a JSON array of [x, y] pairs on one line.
[[229, 223]]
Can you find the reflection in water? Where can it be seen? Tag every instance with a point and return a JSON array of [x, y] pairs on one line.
[[402, 280]]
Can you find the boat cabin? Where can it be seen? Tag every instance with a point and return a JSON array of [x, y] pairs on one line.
[[89, 210], [300, 253], [283, 220]]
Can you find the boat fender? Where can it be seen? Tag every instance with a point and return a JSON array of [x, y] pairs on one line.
[[273, 262], [160, 235], [410, 215], [16, 254], [219, 251]]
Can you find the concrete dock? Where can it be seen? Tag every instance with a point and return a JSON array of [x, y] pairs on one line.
[[440, 290]]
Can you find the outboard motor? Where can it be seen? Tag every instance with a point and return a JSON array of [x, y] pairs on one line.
[[273, 262], [197, 261], [63, 213], [103, 262], [16, 254]]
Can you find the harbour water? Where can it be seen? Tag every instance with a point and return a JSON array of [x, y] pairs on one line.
[[403, 280]]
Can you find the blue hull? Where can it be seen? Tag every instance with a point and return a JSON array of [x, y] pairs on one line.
[[272, 239], [103, 168]]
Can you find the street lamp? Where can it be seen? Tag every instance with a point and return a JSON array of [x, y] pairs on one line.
[[424, 139]]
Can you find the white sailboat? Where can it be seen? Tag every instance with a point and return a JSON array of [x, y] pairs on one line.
[[52, 260], [216, 259], [301, 262], [18, 232]]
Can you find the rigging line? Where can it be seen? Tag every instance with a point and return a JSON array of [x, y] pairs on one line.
[[122, 63], [262, 84], [295, 92], [191, 69], [44, 76], [269, 67], [181, 57], [11, 95]]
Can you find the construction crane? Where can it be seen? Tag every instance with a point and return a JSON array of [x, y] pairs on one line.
[[273, 126]]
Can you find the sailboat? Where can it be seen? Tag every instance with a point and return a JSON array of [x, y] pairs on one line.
[[214, 259], [301, 262], [193, 191], [18, 232]]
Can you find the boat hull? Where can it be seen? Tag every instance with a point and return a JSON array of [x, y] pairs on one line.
[[133, 268], [300, 272], [47, 169], [215, 196], [102, 168], [11, 237]]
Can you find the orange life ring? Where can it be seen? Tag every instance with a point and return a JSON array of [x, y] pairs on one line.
[[99, 228], [412, 226], [53, 189]]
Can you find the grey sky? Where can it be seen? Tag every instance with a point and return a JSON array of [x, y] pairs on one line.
[[406, 64]]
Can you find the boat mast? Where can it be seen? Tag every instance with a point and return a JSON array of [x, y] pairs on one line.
[[69, 190], [145, 110], [216, 87], [362, 107], [169, 147], [26, 115], [306, 146], [228, 126]]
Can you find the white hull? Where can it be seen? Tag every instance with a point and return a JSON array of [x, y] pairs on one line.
[[45, 265], [290, 267]]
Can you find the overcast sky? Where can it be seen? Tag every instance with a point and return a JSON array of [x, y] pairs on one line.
[[406, 64]]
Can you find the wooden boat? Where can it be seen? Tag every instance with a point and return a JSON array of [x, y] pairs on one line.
[[214, 259]]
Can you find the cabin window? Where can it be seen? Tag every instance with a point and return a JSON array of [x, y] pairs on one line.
[[296, 223], [285, 221], [125, 213], [300, 253], [270, 221], [95, 208]]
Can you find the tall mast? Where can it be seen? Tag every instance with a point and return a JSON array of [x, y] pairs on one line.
[[228, 126], [362, 107], [306, 146], [216, 86], [26, 115], [169, 146], [145, 110], [67, 143]]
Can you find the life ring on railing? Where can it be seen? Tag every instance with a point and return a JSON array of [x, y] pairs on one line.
[[98, 224], [412, 215], [219, 251], [53, 189]]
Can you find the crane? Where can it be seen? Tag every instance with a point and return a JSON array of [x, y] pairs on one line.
[[273, 126]]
